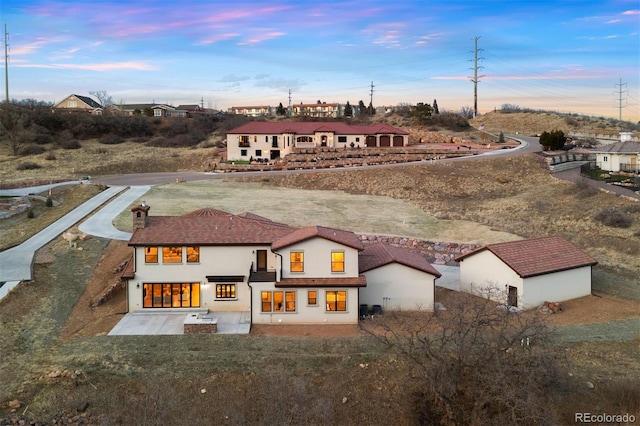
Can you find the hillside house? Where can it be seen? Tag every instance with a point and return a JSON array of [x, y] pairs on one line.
[[271, 140], [216, 261], [78, 103], [526, 273]]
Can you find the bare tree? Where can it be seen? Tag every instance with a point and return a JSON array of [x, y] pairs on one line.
[[479, 364], [467, 112], [103, 98], [14, 127]]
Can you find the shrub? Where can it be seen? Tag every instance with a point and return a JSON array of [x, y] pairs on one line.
[[28, 166], [111, 139], [31, 214], [51, 156], [32, 149], [70, 144], [613, 218], [49, 202]]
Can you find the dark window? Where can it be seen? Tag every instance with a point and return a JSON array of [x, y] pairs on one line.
[[342, 139]]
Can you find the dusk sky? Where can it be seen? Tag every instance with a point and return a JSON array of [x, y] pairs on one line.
[[565, 55]]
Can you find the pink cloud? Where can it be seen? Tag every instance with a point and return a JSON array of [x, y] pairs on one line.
[[259, 38], [131, 65]]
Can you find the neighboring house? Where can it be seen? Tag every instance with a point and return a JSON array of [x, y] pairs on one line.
[[271, 140], [527, 273], [324, 109], [619, 157], [77, 103], [210, 259], [253, 111], [162, 110], [397, 278]]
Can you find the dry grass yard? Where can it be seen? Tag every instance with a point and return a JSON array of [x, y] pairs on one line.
[[56, 358]]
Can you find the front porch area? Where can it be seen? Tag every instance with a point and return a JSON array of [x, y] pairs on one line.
[[141, 323]]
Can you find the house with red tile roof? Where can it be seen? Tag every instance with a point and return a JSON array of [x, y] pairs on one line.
[[211, 260], [526, 273], [263, 140]]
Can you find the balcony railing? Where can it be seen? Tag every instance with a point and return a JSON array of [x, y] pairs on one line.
[[246, 144]]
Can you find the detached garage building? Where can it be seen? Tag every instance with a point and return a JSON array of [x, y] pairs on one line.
[[396, 278], [527, 273]]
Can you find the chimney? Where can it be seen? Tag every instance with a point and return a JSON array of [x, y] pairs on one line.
[[140, 214]]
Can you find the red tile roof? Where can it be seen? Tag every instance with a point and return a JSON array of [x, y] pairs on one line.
[[346, 238], [359, 281], [310, 127], [207, 227], [378, 254], [538, 256]]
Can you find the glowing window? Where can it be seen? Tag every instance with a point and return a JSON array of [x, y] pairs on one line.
[[193, 254], [336, 301], [151, 255], [225, 291], [312, 297], [297, 261], [337, 261], [171, 254]]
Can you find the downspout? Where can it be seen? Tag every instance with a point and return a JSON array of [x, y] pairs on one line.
[[250, 296]]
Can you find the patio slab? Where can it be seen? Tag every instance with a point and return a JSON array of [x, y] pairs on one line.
[[142, 323]]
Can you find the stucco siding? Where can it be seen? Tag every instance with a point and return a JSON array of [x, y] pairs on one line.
[[486, 275], [557, 287], [395, 286], [305, 313], [317, 259]]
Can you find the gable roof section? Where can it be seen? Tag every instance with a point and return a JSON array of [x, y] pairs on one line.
[[207, 227], [311, 127], [379, 254], [627, 147], [538, 256], [87, 100], [339, 236]]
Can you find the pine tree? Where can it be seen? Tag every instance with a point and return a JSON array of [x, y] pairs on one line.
[[348, 110], [435, 107]]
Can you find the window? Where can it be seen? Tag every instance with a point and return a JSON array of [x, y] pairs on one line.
[[266, 138], [297, 261], [605, 158], [357, 139], [312, 297], [258, 153], [72, 104], [278, 301], [342, 139], [337, 261], [151, 255], [193, 254], [171, 254], [305, 139], [336, 301], [243, 152], [244, 139], [225, 291], [170, 295], [157, 113]]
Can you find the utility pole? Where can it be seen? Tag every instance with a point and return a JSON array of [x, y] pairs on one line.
[[371, 94], [619, 92], [201, 102], [476, 76], [289, 109], [6, 63]]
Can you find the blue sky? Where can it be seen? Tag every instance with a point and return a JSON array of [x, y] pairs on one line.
[[568, 55]]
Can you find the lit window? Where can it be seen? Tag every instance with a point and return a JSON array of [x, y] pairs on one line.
[[266, 301], [151, 255], [278, 301], [225, 291], [157, 113], [297, 261], [336, 301], [337, 261], [312, 297], [175, 295], [193, 254], [171, 254]]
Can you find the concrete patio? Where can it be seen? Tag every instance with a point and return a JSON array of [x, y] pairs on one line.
[[141, 323]]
